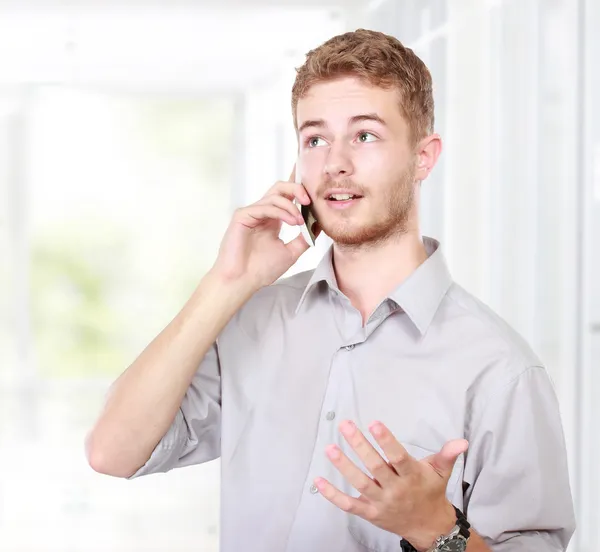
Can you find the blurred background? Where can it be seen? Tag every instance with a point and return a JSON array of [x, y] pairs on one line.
[[130, 130]]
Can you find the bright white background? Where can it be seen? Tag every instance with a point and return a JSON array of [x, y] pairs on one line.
[[129, 131]]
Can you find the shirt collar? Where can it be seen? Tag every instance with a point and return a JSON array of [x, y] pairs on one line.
[[323, 273], [419, 296]]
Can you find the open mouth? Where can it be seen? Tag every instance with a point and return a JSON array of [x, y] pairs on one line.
[[342, 197]]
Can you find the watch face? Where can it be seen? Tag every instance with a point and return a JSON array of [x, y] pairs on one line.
[[455, 545]]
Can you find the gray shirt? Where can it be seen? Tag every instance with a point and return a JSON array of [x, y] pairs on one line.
[[432, 363]]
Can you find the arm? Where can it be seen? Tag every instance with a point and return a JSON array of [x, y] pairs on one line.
[[518, 495], [163, 395], [143, 402]]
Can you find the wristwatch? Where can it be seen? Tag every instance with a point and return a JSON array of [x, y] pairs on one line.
[[455, 541]]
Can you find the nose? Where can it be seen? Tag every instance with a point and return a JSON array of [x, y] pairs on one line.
[[338, 163]]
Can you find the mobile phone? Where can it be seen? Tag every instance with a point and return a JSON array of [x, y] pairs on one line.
[[308, 228]]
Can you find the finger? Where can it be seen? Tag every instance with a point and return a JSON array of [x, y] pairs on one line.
[[290, 190], [443, 461], [297, 247], [353, 474], [256, 214], [283, 203], [395, 453], [344, 502], [377, 466]]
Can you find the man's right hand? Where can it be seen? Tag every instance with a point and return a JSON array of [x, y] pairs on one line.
[[251, 250], [145, 399]]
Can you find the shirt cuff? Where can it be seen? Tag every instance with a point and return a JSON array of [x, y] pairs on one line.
[[167, 453]]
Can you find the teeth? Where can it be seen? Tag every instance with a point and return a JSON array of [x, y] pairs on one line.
[[341, 197]]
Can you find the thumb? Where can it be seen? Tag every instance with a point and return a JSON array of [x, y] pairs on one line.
[[296, 247], [443, 461]]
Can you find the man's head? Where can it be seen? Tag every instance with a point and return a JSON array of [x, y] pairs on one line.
[[363, 109]]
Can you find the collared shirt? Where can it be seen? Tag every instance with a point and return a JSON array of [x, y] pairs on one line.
[[432, 363]]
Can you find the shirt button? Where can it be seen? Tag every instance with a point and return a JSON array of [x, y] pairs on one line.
[[330, 415], [349, 347], [313, 489]]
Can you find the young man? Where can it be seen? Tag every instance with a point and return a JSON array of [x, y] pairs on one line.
[[369, 404]]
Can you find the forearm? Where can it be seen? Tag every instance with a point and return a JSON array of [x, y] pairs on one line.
[[144, 400]]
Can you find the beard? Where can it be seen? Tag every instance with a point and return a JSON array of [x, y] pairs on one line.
[[392, 221]]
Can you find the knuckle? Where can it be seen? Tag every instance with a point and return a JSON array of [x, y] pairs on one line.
[[378, 464], [397, 492], [279, 200], [397, 458], [349, 506], [279, 185], [371, 514], [277, 193], [363, 485], [413, 479]]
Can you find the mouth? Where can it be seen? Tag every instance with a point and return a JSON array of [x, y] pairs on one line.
[[342, 200], [342, 197]]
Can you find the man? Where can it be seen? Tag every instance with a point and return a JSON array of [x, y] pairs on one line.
[[370, 404]]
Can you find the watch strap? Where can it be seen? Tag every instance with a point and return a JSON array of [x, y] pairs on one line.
[[461, 522]]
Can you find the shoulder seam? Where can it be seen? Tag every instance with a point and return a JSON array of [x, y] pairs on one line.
[[489, 397]]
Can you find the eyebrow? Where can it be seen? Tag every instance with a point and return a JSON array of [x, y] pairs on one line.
[[320, 123]]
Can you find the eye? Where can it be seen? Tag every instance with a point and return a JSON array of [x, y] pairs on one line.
[[313, 142], [366, 137]]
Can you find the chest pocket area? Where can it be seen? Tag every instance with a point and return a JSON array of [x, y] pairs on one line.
[[371, 537]]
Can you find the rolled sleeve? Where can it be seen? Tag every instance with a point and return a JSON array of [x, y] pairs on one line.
[[518, 496], [194, 436]]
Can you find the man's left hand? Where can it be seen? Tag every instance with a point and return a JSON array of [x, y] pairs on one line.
[[404, 496]]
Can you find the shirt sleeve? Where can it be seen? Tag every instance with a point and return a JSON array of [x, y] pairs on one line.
[[518, 496], [194, 436]]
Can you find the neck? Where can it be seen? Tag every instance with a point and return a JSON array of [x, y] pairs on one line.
[[367, 274]]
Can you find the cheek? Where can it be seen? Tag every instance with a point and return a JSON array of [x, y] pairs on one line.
[[379, 166], [312, 164], [372, 161]]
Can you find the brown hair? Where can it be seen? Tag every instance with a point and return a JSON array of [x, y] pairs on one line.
[[379, 59]]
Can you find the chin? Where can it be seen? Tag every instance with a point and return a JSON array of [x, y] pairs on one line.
[[357, 235], [354, 236]]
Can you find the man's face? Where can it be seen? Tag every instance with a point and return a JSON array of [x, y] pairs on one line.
[[354, 140]]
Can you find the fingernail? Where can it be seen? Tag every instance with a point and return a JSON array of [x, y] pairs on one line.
[[333, 452], [377, 429], [348, 428]]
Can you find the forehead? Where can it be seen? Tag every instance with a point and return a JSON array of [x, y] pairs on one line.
[[338, 100]]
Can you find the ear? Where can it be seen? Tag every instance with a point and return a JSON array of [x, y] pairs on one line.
[[427, 152]]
